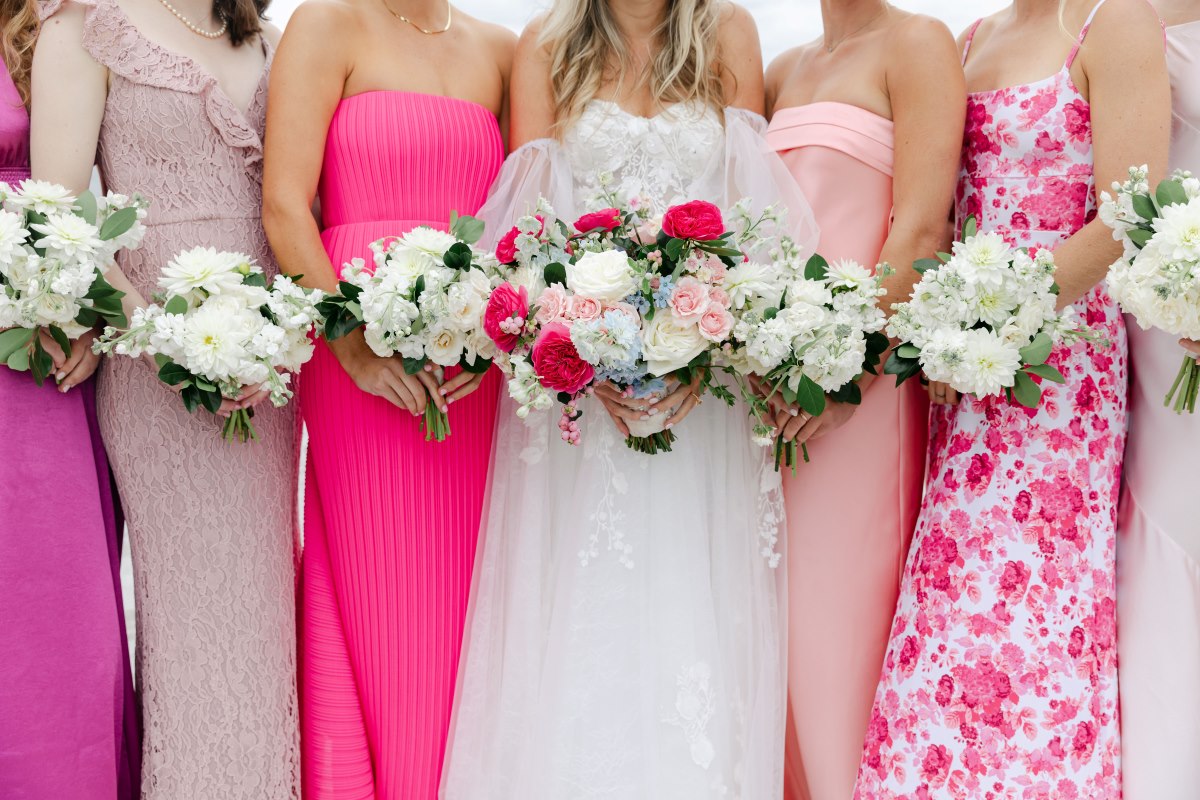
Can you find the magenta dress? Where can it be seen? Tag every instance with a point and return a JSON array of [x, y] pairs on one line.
[[1001, 676], [391, 521], [68, 725], [846, 547]]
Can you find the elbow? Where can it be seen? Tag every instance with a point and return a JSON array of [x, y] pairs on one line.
[[278, 216]]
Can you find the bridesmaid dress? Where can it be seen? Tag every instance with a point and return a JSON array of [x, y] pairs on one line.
[[1158, 534], [211, 524], [846, 545], [66, 694], [1001, 675], [391, 520]]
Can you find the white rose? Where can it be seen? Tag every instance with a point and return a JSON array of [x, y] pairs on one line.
[[606, 276], [444, 346], [668, 344]]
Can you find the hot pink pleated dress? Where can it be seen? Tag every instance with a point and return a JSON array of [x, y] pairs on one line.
[[391, 520], [852, 509]]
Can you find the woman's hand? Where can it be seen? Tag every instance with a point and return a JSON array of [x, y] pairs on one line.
[[385, 377], [621, 408], [1192, 346], [942, 394], [795, 424], [459, 386], [81, 365]]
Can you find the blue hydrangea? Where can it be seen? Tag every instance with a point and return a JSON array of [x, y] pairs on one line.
[[638, 301]]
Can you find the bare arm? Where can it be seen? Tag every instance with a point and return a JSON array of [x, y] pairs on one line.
[[741, 60], [928, 97], [1130, 97], [531, 100]]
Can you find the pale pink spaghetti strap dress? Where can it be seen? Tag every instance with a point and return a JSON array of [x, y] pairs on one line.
[[1158, 536], [1000, 679], [852, 509], [391, 521]]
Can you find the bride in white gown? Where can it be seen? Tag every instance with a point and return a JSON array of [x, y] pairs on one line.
[[627, 622]]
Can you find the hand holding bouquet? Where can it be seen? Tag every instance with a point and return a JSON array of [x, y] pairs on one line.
[[983, 320], [422, 299], [219, 328], [55, 250], [1157, 280]]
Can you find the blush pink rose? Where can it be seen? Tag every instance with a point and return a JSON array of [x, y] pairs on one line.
[[505, 314], [625, 309], [689, 300], [715, 324], [719, 296], [603, 220], [557, 361], [585, 308], [553, 305], [698, 220]]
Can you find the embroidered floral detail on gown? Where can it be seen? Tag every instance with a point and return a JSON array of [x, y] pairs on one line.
[[210, 525], [626, 631], [1001, 675]]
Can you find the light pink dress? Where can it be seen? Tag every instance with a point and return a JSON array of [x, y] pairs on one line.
[[1000, 679], [1158, 536], [846, 544], [391, 520], [210, 524]]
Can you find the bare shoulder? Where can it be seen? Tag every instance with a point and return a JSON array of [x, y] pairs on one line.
[[499, 40], [920, 38], [782, 67], [325, 19], [64, 15], [736, 26], [271, 33], [530, 48], [1127, 21], [978, 31]]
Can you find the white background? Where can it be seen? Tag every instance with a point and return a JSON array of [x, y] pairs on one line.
[[781, 23]]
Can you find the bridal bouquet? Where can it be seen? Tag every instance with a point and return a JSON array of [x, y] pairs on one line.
[[813, 331], [219, 327], [1157, 280], [54, 252], [617, 297], [422, 299], [983, 320]]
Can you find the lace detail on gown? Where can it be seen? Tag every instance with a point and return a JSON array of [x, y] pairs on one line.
[[210, 525]]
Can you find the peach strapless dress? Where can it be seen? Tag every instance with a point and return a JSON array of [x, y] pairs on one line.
[[851, 511], [1158, 534]]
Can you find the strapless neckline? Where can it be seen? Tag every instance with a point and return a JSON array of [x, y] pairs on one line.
[[417, 95], [852, 130]]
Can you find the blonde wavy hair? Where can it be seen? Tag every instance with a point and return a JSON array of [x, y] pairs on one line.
[[586, 48], [19, 34]]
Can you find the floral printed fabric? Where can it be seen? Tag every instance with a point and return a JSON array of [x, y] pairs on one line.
[[1000, 679]]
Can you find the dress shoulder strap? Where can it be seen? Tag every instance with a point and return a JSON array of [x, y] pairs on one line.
[[970, 38], [1083, 35]]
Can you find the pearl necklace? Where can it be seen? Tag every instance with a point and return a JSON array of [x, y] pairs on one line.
[[196, 29], [427, 32]]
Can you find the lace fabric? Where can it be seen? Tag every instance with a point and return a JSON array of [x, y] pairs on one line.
[[210, 524]]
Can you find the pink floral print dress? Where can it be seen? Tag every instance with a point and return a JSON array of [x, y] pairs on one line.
[[1000, 680]]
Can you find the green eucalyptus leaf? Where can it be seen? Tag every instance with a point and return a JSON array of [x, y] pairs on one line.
[[1037, 351], [14, 339], [176, 305], [810, 396], [173, 374], [466, 228], [118, 223], [902, 368], [1144, 207], [41, 364], [908, 352], [923, 265], [970, 227], [413, 366], [816, 268], [61, 339], [18, 359], [1171, 193], [1046, 372], [210, 400], [85, 206], [1140, 237], [1026, 391]]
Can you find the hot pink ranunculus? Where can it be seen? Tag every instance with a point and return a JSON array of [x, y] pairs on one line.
[[698, 220], [557, 361], [553, 305], [689, 299], [604, 220], [506, 311]]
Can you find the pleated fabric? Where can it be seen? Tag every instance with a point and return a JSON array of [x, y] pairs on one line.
[[391, 521]]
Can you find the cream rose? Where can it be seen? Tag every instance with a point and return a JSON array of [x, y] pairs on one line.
[[445, 346], [607, 277], [669, 344]]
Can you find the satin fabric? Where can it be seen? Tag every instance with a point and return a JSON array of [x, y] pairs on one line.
[[852, 509], [1158, 544]]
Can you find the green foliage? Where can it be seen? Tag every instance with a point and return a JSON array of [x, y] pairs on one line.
[[466, 229]]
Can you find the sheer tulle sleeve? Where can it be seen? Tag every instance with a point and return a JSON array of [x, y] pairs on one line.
[[537, 169]]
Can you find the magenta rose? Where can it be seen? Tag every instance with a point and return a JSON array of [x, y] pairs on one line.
[[506, 250], [698, 220], [557, 361], [504, 317], [603, 220]]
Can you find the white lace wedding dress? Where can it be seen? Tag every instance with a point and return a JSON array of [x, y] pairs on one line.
[[626, 638]]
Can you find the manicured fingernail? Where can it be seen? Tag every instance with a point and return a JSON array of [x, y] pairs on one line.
[[445, 408], [795, 412], [60, 376], [442, 392], [670, 425], [429, 367], [654, 412]]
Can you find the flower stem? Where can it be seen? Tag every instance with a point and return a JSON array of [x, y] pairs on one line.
[[1183, 392], [653, 444], [435, 423], [238, 426]]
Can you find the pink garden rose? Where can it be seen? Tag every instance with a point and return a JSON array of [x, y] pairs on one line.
[[557, 361], [506, 250], [698, 220], [586, 308], [504, 317], [554, 304], [719, 296], [716, 323], [604, 220], [689, 300]]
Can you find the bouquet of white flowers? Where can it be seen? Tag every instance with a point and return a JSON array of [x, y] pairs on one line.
[[422, 299], [220, 327], [813, 333], [983, 320], [55, 250], [1157, 280]]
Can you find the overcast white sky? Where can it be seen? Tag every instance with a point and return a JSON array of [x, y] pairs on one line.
[[781, 23]]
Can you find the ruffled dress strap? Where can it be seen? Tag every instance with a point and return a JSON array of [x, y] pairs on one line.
[[111, 38]]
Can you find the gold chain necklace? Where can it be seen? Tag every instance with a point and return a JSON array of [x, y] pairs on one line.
[[194, 28], [427, 32], [829, 48]]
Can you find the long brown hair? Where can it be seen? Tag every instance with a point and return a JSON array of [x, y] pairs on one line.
[[245, 17], [19, 33]]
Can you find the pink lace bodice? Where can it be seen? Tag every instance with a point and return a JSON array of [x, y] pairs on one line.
[[14, 132]]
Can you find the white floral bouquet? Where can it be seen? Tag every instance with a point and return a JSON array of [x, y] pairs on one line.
[[982, 319], [219, 328], [643, 304], [55, 250], [813, 330], [422, 298], [1157, 280]]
